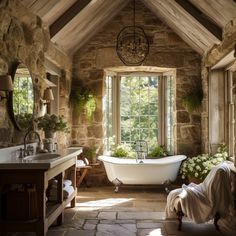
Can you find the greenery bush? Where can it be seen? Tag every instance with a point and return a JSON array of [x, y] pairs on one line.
[[192, 100], [123, 150], [91, 153], [199, 166], [83, 98], [157, 152]]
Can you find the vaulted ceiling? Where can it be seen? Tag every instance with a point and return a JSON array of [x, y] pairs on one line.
[[72, 23]]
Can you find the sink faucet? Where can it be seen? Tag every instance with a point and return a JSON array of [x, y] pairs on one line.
[[25, 152]]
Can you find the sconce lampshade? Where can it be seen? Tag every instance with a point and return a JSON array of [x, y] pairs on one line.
[[6, 83], [48, 95]]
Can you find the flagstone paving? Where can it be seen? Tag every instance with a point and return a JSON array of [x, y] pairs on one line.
[[133, 211]]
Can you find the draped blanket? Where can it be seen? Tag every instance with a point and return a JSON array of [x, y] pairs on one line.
[[201, 202]]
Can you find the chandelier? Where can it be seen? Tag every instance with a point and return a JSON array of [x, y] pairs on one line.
[[132, 44]]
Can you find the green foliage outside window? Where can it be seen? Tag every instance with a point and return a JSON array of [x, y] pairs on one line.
[[23, 101], [139, 109], [141, 101]]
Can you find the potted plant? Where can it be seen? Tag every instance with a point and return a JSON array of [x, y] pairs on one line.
[[51, 124], [123, 150], [91, 153], [197, 168], [157, 152], [83, 98], [192, 100]]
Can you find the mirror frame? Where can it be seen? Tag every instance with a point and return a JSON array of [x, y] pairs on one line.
[[10, 99]]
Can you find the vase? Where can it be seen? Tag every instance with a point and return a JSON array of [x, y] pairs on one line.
[[194, 180], [49, 134]]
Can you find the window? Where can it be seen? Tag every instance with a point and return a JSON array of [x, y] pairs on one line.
[[230, 124], [139, 107]]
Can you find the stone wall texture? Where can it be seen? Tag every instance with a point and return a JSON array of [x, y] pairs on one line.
[[24, 38], [166, 50]]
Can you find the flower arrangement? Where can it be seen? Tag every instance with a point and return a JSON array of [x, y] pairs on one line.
[[51, 123], [199, 166]]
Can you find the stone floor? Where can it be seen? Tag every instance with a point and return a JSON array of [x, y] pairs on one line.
[[131, 211]]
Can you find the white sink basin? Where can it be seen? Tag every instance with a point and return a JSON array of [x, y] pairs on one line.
[[41, 157]]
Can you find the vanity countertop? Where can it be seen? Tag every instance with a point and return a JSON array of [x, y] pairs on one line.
[[24, 163]]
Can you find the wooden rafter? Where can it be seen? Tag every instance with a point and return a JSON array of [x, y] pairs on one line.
[[203, 19], [67, 16], [220, 11], [183, 24]]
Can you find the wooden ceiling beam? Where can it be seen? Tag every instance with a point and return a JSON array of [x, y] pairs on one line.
[[220, 11], [183, 24], [67, 16], [201, 17]]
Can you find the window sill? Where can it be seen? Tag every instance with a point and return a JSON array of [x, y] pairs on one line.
[[231, 159], [232, 166]]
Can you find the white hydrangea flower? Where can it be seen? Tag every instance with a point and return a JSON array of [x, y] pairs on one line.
[[198, 167]]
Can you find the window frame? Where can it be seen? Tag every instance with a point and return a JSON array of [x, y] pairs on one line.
[[162, 126]]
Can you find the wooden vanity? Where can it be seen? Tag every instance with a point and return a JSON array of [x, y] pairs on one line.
[[37, 174]]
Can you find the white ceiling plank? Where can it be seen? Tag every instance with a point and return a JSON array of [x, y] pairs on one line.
[[182, 23], [220, 11], [87, 23]]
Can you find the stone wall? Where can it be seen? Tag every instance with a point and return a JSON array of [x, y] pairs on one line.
[[166, 50], [24, 38]]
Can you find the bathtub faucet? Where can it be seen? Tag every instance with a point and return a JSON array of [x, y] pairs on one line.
[[141, 148]]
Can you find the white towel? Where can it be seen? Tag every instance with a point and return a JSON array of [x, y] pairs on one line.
[[67, 182], [67, 191], [80, 163], [201, 202]]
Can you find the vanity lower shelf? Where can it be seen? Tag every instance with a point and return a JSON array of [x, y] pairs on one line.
[[46, 213], [55, 209]]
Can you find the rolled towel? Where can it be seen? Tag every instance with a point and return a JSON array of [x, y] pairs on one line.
[[80, 163], [67, 182], [67, 191]]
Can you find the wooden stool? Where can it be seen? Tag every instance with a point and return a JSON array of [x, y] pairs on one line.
[[82, 170]]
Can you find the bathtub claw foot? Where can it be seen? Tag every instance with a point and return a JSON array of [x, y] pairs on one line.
[[167, 190], [167, 184], [117, 183]]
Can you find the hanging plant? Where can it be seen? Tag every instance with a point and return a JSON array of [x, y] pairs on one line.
[[83, 98], [192, 100]]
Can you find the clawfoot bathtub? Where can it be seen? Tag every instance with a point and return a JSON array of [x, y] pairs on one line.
[[150, 171]]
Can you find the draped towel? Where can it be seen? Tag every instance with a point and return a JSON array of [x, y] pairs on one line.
[[201, 202]]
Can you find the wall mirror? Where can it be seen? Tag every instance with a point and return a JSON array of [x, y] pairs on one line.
[[22, 98]]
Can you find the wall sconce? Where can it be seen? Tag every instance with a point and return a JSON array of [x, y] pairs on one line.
[[5, 86], [48, 95]]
